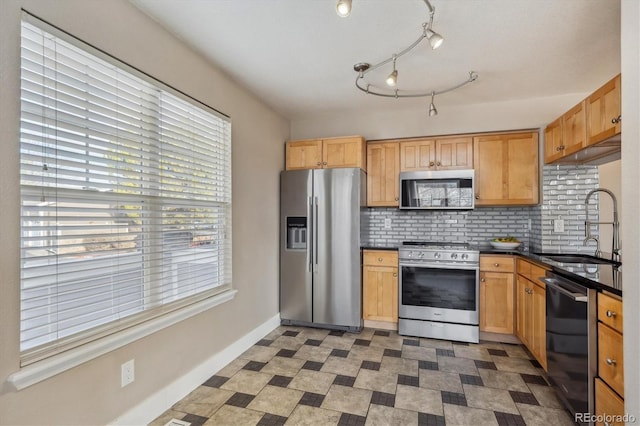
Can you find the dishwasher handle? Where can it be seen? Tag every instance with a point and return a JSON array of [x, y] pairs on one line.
[[578, 297]]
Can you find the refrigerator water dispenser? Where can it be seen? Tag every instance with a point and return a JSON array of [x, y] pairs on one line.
[[296, 233]]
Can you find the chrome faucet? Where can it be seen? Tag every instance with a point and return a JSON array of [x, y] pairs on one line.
[[615, 245]]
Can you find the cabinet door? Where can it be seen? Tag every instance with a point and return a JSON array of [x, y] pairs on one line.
[[603, 112], [383, 164], [574, 129], [417, 155], [522, 169], [455, 153], [553, 141], [496, 302], [523, 310], [539, 324], [304, 155], [380, 293], [344, 152], [608, 403], [489, 162]]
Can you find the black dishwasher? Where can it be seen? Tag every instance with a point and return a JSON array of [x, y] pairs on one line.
[[571, 340]]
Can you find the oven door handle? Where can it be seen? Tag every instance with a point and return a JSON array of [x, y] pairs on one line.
[[578, 297], [439, 266]]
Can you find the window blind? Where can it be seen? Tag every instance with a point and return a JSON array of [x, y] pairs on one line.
[[126, 195]]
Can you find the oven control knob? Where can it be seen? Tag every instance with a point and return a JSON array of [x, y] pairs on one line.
[[436, 255], [421, 255], [465, 255], [454, 255]]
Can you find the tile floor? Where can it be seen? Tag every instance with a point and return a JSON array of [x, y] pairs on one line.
[[306, 376]]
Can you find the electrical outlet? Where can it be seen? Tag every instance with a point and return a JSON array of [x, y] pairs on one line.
[[558, 225], [387, 223], [127, 371]]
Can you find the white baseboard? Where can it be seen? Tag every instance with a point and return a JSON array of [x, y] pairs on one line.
[[159, 402]]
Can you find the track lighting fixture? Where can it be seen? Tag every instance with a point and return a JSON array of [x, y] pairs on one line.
[[363, 68], [432, 107], [392, 80], [343, 8]]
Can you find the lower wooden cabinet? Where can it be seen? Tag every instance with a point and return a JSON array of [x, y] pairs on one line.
[[531, 310], [497, 296], [380, 286], [609, 406]]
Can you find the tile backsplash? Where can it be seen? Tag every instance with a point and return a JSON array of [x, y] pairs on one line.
[[564, 189]]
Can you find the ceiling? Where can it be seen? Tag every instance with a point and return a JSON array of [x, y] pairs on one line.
[[298, 55]]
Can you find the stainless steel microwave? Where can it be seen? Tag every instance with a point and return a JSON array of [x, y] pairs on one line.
[[437, 190]]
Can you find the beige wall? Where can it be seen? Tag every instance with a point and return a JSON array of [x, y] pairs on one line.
[[399, 121], [91, 393]]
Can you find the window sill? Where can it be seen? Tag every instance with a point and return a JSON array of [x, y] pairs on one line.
[[57, 364]]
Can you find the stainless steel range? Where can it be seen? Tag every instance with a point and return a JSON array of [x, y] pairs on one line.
[[438, 293]]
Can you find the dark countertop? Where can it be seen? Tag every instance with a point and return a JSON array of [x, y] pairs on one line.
[[597, 276], [369, 246]]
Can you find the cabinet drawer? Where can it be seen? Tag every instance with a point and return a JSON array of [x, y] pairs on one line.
[[608, 403], [610, 311], [496, 263], [523, 267], [537, 273], [610, 362], [380, 258]]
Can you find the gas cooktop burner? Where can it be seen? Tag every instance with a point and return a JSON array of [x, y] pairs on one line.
[[441, 245]]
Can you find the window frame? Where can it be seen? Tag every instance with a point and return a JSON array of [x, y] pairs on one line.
[[38, 365]]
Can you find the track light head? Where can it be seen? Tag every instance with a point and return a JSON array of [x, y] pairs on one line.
[[392, 80], [432, 108], [343, 8], [435, 39]]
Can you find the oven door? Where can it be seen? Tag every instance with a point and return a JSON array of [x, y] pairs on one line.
[[439, 293]]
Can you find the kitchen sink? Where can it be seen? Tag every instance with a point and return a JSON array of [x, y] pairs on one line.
[[577, 258]]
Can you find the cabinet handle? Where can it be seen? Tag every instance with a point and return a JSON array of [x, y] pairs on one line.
[[496, 264], [611, 314], [379, 259], [438, 163], [397, 199], [477, 196], [324, 163], [431, 164], [319, 163], [616, 120], [481, 280], [611, 361], [395, 275]]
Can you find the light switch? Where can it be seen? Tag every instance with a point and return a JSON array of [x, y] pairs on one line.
[[387, 223]]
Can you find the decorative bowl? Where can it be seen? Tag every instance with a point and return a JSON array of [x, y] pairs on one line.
[[502, 245]]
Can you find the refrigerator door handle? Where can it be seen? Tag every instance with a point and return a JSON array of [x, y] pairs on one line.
[[311, 238], [315, 232]]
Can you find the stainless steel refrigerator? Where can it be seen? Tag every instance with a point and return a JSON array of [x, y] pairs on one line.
[[320, 257]]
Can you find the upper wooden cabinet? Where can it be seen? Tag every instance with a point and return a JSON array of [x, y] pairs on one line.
[[566, 135], [570, 138], [383, 163], [506, 169], [436, 154], [326, 153], [604, 112]]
